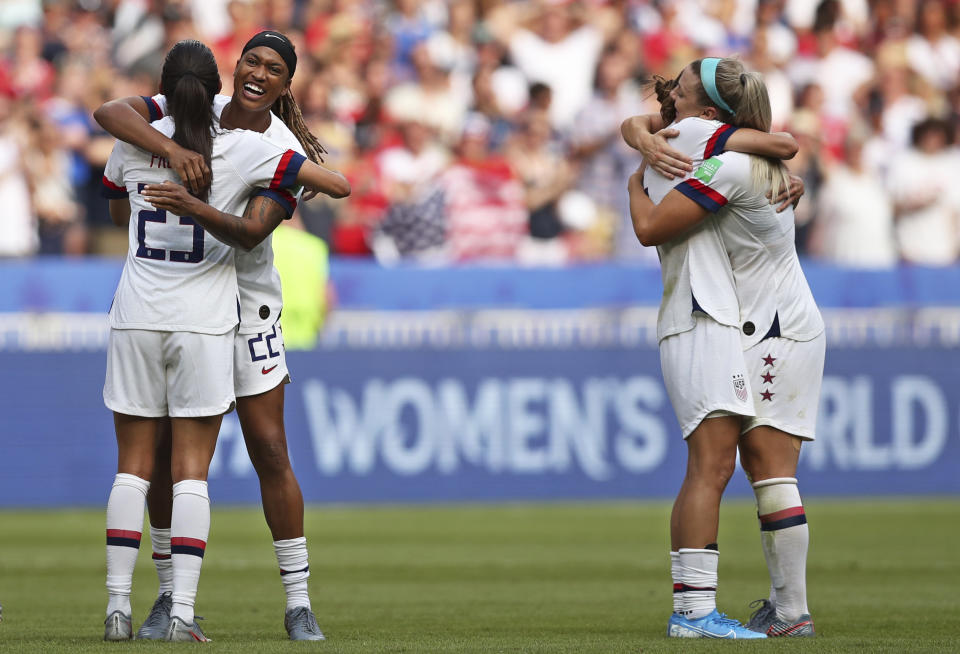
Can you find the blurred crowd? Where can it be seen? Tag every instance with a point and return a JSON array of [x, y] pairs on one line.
[[488, 130]]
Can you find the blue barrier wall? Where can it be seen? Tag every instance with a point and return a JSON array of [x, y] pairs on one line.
[[510, 419], [417, 425]]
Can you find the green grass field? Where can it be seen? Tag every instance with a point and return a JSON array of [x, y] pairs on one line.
[[592, 577]]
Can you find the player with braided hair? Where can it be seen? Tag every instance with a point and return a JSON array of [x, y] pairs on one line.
[[261, 102]]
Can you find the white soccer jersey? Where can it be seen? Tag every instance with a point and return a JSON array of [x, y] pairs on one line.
[[775, 299], [695, 269], [261, 297], [177, 277]]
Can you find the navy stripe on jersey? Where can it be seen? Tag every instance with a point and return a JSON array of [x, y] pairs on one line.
[[112, 191], [774, 331], [287, 170], [281, 197], [123, 538], [702, 194], [153, 108], [718, 142], [293, 572]]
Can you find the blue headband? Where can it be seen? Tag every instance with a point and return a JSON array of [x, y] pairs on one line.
[[708, 76]]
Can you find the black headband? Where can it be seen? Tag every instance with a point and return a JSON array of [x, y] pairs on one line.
[[279, 44]]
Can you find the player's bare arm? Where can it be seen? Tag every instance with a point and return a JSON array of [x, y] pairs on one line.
[[127, 119], [261, 216], [778, 145], [646, 133], [656, 224]]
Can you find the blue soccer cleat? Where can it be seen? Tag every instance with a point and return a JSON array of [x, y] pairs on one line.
[[714, 625]]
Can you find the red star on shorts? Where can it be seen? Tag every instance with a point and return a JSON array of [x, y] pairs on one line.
[[767, 395], [767, 378], [768, 360]]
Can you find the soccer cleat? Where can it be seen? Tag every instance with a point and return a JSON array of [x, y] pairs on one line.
[[801, 627], [763, 617], [713, 625], [117, 626], [179, 631], [302, 625], [155, 626]]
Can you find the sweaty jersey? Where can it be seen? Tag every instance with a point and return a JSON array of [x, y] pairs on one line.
[[775, 299], [177, 277], [261, 297], [694, 267]]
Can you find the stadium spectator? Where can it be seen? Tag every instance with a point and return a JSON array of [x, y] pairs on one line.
[[546, 175], [926, 196], [855, 215], [606, 161], [484, 207], [932, 51], [884, 63], [561, 50], [18, 230]]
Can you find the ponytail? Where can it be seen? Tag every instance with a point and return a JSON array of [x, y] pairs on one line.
[[190, 80], [192, 112]]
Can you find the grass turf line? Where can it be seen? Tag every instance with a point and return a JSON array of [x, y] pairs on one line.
[[590, 577]]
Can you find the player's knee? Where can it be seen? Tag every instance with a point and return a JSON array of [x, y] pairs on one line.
[[269, 455]]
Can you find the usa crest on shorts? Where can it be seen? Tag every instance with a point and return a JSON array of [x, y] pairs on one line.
[[740, 387]]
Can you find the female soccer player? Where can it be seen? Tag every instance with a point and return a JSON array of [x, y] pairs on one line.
[[172, 331], [783, 351], [261, 102]]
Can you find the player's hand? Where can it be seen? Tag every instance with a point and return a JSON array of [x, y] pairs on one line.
[[790, 195], [663, 158], [309, 194], [171, 197], [190, 167]]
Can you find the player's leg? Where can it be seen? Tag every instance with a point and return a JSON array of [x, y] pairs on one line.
[[786, 377], [769, 456], [194, 440], [694, 521], [200, 391], [259, 378], [159, 507], [135, 445], [137, 400]]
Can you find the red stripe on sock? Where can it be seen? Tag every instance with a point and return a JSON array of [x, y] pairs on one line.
[[780, 515], [160, 557], [123, 533], [189, 542]]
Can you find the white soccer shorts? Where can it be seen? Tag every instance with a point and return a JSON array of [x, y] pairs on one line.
[[259, 362], [704, 371], [785, 376], [177, 374]]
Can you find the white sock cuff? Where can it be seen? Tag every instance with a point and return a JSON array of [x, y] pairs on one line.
[[775, 481], [191, 487], [160, 539], [690, 550], [124, 479], [289, 543]]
